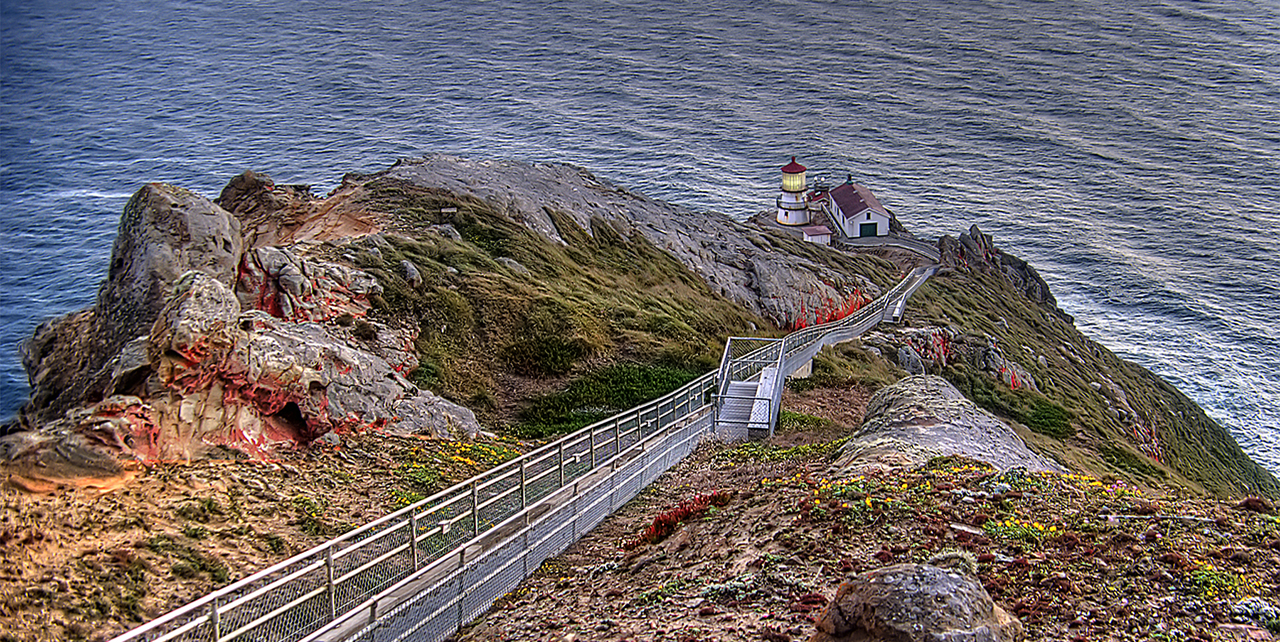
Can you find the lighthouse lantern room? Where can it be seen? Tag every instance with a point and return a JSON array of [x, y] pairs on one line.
[[792, 209]]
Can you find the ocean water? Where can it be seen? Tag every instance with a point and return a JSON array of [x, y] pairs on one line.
[[1129, 149]]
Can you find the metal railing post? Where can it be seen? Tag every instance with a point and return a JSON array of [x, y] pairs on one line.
[[715, 413], [524, 489], [413, 538], [561, 451], [215, 621], [475, 508], [330, 589], [593, 448]]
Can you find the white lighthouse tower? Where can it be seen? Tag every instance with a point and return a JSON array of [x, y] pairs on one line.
[[792, 209]]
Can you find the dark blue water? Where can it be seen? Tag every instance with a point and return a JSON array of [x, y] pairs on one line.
[[1129, 150]]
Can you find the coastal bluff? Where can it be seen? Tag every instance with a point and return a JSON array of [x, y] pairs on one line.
[[269, 318], [265, 370]]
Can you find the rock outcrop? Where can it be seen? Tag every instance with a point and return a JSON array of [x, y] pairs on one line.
[[976, 250], [914, 603], [197, 344], [295, 288], [163, 232], [921, 417], [931, 348], [741, 262]]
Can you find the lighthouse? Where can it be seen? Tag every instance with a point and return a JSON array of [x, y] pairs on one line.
[[792, 209]]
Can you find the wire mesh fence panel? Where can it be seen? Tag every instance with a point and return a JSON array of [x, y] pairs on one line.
[[541, 478], [298, 593], [628, 485], [373, 567], [552, 534], [593, 507], [499, 499], [431, 615]]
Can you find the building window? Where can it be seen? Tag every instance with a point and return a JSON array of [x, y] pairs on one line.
[[868, 216]]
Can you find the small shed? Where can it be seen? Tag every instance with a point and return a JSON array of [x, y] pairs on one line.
[[820, 234], [858, 211]]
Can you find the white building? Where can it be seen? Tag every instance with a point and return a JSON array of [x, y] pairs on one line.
[[820, 234], [858, 212]]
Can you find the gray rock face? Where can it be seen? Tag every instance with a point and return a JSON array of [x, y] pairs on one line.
[[915, 603], [164, 232], [910, 360], [922, 417], [736, 260]]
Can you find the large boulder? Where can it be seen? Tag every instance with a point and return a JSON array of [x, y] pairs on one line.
[[164, 232], [924, 416], [914, 603]]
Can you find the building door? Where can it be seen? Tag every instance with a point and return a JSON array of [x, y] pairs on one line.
[[867, 229]]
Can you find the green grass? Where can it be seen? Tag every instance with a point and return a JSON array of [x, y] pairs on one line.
[[1197, 453], [789, 421], [597, 396], [604, 296], [847, 364]]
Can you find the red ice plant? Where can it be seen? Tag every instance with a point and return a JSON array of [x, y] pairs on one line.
[[666, 522]]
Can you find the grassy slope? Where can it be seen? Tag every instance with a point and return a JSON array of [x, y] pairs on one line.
[[492, 337], [601, 298], [604, 298], [1198, 453]]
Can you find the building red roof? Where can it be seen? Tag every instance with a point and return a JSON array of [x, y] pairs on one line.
[[793, 167], [855, 199], [816, 230]]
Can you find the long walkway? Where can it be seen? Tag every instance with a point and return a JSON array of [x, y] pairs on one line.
[[424, 571]]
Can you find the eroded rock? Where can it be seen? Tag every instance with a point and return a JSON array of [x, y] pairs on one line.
[[164, 232], [295, 288], [921, 417], [914, 603]]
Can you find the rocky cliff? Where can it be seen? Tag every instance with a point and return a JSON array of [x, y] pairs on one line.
[[271, 318], [314, 362], [200, 342]]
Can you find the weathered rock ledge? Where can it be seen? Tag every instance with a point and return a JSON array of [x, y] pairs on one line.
[[924, 416]]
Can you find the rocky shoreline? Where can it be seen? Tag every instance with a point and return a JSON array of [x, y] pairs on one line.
[[444, 300]]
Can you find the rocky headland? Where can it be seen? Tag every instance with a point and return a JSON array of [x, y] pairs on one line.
[[261, 369]]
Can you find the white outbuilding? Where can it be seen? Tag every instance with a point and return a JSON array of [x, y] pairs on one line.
[[858, 212], [820, 234]]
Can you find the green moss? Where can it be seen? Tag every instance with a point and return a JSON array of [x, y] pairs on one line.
[[1128, 461], [1048, 418], [186, 561], [789, 421]]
